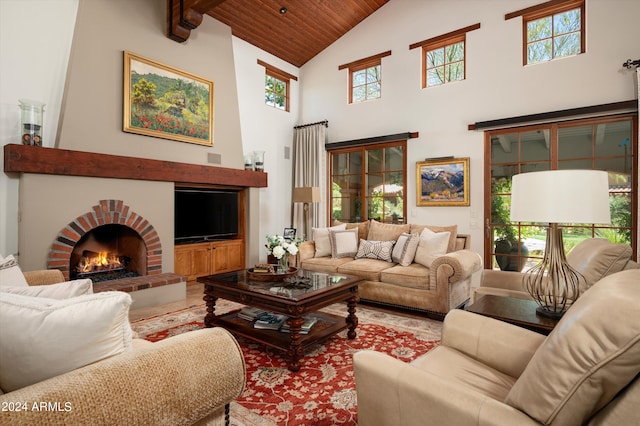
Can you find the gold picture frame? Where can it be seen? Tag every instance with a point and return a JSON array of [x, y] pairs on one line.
[[443, 182], [164, 102]]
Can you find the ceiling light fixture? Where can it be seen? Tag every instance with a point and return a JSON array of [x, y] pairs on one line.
[[283, 10]]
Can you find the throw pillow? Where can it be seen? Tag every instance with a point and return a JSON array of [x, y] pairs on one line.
[[386, 231], [344, 243], [380, 250], [405, 249], [43, 338], [10, 273], [321, 239], [363, 228], [53, 291], [453, 229], [431, 246]]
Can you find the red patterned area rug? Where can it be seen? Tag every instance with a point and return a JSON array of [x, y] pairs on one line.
[[323, 391]]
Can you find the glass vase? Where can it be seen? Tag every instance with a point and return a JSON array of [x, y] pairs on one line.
[[283, 264]]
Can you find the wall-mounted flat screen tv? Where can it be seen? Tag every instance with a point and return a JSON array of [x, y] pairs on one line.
[[203, 214]]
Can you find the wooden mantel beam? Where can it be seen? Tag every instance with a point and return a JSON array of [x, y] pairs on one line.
[[186, 15], [55, 161]]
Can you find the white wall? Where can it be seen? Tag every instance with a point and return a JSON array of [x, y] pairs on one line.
[[497, 85], [265, 128], [35, 40]]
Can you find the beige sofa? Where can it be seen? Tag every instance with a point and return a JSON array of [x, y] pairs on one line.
[[594, 258], [187, 379], [488, 372], [435, 290]]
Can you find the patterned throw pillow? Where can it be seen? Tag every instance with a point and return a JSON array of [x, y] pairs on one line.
[[380, 250], [405, 249], [321, 239], [343, 243]]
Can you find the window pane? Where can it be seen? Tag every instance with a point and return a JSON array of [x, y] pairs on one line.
[[566, 45], [280, 87], [373, 91], [535, 167], [619, 166], [435, 57], [375, 208], [500, 178], [359, 94], [375, 184], [613, 139], [504, 148], [620, 204], [534, 145], [575, 142], [454, 71], [539, 51], [280, 102], [375, 160], [355, 162], [539, 29], [455, 52], [359, 77], [269, 98], [373, 74], [566, 22], [574, 164], [339, 162], [435, 76], [393, 158]]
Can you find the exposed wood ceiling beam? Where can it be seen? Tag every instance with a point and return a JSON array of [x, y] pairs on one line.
[[186, 15]]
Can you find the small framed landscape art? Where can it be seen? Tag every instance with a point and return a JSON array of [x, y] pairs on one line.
[[442, 182], [165, 102]]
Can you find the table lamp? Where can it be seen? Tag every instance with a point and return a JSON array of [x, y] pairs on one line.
[[558, 196], [306, 195]]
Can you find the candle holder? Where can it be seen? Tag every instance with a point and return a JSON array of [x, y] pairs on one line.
[[31, 121]]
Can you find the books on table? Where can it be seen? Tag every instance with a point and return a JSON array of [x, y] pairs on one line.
[[269, 321], [306, 326], [251, 314]]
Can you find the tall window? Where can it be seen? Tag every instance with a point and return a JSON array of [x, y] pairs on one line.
[[368, 182], [552, 30], [443, 57], [277, 87], [365, 78], [598, 144]]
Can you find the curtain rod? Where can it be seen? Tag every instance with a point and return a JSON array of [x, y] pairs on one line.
[[630, 64], [325, 122]]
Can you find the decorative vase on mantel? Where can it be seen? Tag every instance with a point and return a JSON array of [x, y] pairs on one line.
[[283, 264]]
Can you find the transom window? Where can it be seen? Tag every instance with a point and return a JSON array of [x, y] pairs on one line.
[[276, 87], [552, 31], [368, 182], [443, 57], [365, 78]]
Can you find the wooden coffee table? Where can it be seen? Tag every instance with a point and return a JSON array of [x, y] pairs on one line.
[[515, 311], [283, 298]]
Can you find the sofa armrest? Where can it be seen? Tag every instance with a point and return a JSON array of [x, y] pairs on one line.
[[176, 381], [306, 250], [44, 277], [506, 280], [505, 347], [392, 392], [456, 265]]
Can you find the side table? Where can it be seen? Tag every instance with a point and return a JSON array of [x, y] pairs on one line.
[[515, 311]]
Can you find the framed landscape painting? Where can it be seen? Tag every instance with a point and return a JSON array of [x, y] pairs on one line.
[[442, 182], [165, 102]]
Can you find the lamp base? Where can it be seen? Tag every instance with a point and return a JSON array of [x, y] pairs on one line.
[[549, 314]]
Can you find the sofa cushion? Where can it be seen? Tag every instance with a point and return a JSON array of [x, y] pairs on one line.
[[63, 290], [431, 246], [344, 243], [591, 354], [412, 276], [367, 269], [386, 231], [453, 230], [380, 250], [596, 258], [42, 338], [363, 228], [326, 264], [321, 240], [405, 249], [10, 273]]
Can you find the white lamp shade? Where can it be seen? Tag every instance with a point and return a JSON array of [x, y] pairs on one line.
[[561, 196]]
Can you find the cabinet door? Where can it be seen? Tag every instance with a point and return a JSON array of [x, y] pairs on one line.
[[236, 255], [227, 256], [182, 257], [201, 260]]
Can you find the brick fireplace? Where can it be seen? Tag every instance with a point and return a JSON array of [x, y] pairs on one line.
[[147, 258]]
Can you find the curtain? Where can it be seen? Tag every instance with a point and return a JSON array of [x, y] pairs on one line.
[[309, 160]]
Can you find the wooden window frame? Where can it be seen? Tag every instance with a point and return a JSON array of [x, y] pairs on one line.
[[363, 148], [440, 41], [362, 64], [549, 9], [283, 76]]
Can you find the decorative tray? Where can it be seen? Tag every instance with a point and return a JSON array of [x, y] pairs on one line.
[[266, 276]]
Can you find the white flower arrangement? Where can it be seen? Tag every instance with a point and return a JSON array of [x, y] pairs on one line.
[[278, 246]]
